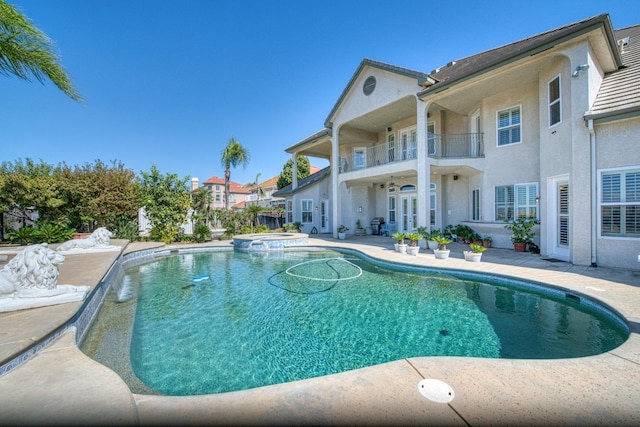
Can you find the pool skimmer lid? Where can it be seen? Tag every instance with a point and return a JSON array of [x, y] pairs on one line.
[[436, 390]]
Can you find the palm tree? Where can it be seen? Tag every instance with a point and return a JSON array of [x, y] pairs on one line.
[[202, 199], [234, 154], [26, 51], [259, 190]]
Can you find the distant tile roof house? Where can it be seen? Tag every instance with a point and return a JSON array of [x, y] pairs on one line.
[[268, 197], [237, 192], [545, 128]]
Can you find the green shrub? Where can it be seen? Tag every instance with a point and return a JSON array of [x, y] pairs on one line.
[[201, 233], [22, 236], [51, 232], [127, 230]]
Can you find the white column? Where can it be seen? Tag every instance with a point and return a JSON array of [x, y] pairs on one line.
[[294, 171], [424, 170], [335, 195]]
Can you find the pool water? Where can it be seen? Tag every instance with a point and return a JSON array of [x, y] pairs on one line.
[[224, 321]]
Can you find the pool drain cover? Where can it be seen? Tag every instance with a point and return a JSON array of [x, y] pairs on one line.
[[436, 390]]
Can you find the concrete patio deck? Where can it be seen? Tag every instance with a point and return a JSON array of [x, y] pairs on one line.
[[61, 385]]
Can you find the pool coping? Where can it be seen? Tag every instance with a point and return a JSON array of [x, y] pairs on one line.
[[60, 382]]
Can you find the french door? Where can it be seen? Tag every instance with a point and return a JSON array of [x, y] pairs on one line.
[[408, 213]]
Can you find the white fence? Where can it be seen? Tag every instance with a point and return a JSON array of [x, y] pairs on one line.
[[144, 223]]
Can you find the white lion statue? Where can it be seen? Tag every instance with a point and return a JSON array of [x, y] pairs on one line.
[[33, 271], [99, 239], [30, 280]]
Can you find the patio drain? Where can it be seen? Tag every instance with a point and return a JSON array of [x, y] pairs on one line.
[[436, 390]]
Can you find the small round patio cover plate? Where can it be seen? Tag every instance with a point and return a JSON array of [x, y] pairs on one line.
[[436, 390]]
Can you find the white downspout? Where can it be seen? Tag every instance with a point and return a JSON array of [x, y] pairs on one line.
[[594, 194]]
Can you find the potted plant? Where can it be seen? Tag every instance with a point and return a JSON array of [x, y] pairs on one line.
[[342, 232], [486, 241], [400, 245], [442, 252], [413, 247], [464, 233], [359, 230], [475, 254], [450, 232], [521, 232], [428, 236]]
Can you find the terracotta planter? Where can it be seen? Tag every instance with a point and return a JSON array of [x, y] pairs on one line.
[[519, 246]]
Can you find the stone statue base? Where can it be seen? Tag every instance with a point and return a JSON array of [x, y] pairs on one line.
[[61, 294]]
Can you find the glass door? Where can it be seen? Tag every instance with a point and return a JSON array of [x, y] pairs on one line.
[[409, 213]]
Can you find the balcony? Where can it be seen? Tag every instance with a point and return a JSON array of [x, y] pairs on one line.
[[465, 145]]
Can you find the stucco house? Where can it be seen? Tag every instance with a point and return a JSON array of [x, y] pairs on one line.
[[237, 192], [547, 127]]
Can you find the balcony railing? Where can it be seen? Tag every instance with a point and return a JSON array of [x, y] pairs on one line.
[[439, 145], [460, 145]]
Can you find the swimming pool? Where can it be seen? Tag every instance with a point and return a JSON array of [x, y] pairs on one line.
[[225, 321]]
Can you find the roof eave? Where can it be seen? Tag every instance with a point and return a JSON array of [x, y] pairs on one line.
[[601, 20], [610, 116]]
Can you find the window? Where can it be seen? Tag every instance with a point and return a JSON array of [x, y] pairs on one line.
[[359, 158], [432, 209], [392, 209], [409, 143], [391, 146], [307, 211], [475, 205], [217, 197], [431, 138], [509, 131], [555, 110], [620, 203], [289, 211], [413, 144], [516, 201]]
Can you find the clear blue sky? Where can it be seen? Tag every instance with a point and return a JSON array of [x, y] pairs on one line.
[[169, 82]]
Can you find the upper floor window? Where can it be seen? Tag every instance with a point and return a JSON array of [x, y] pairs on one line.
[[620, 203], [359, 158], [555, 109], [516, 202], [391, 146], [431, 137], [509, 126]]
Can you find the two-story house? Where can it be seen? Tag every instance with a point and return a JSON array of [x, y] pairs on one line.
[[237, 192], [546, 128]]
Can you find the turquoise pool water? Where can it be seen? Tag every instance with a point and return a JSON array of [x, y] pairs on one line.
[[224, 321]]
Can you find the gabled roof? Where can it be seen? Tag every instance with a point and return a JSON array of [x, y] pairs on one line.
[[304, 182], [619, 94], [324, 133], [463, 69], [234, 187], [422, 80], [274, 181]]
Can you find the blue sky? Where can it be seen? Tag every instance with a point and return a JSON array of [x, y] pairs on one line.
[[169, 82]]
